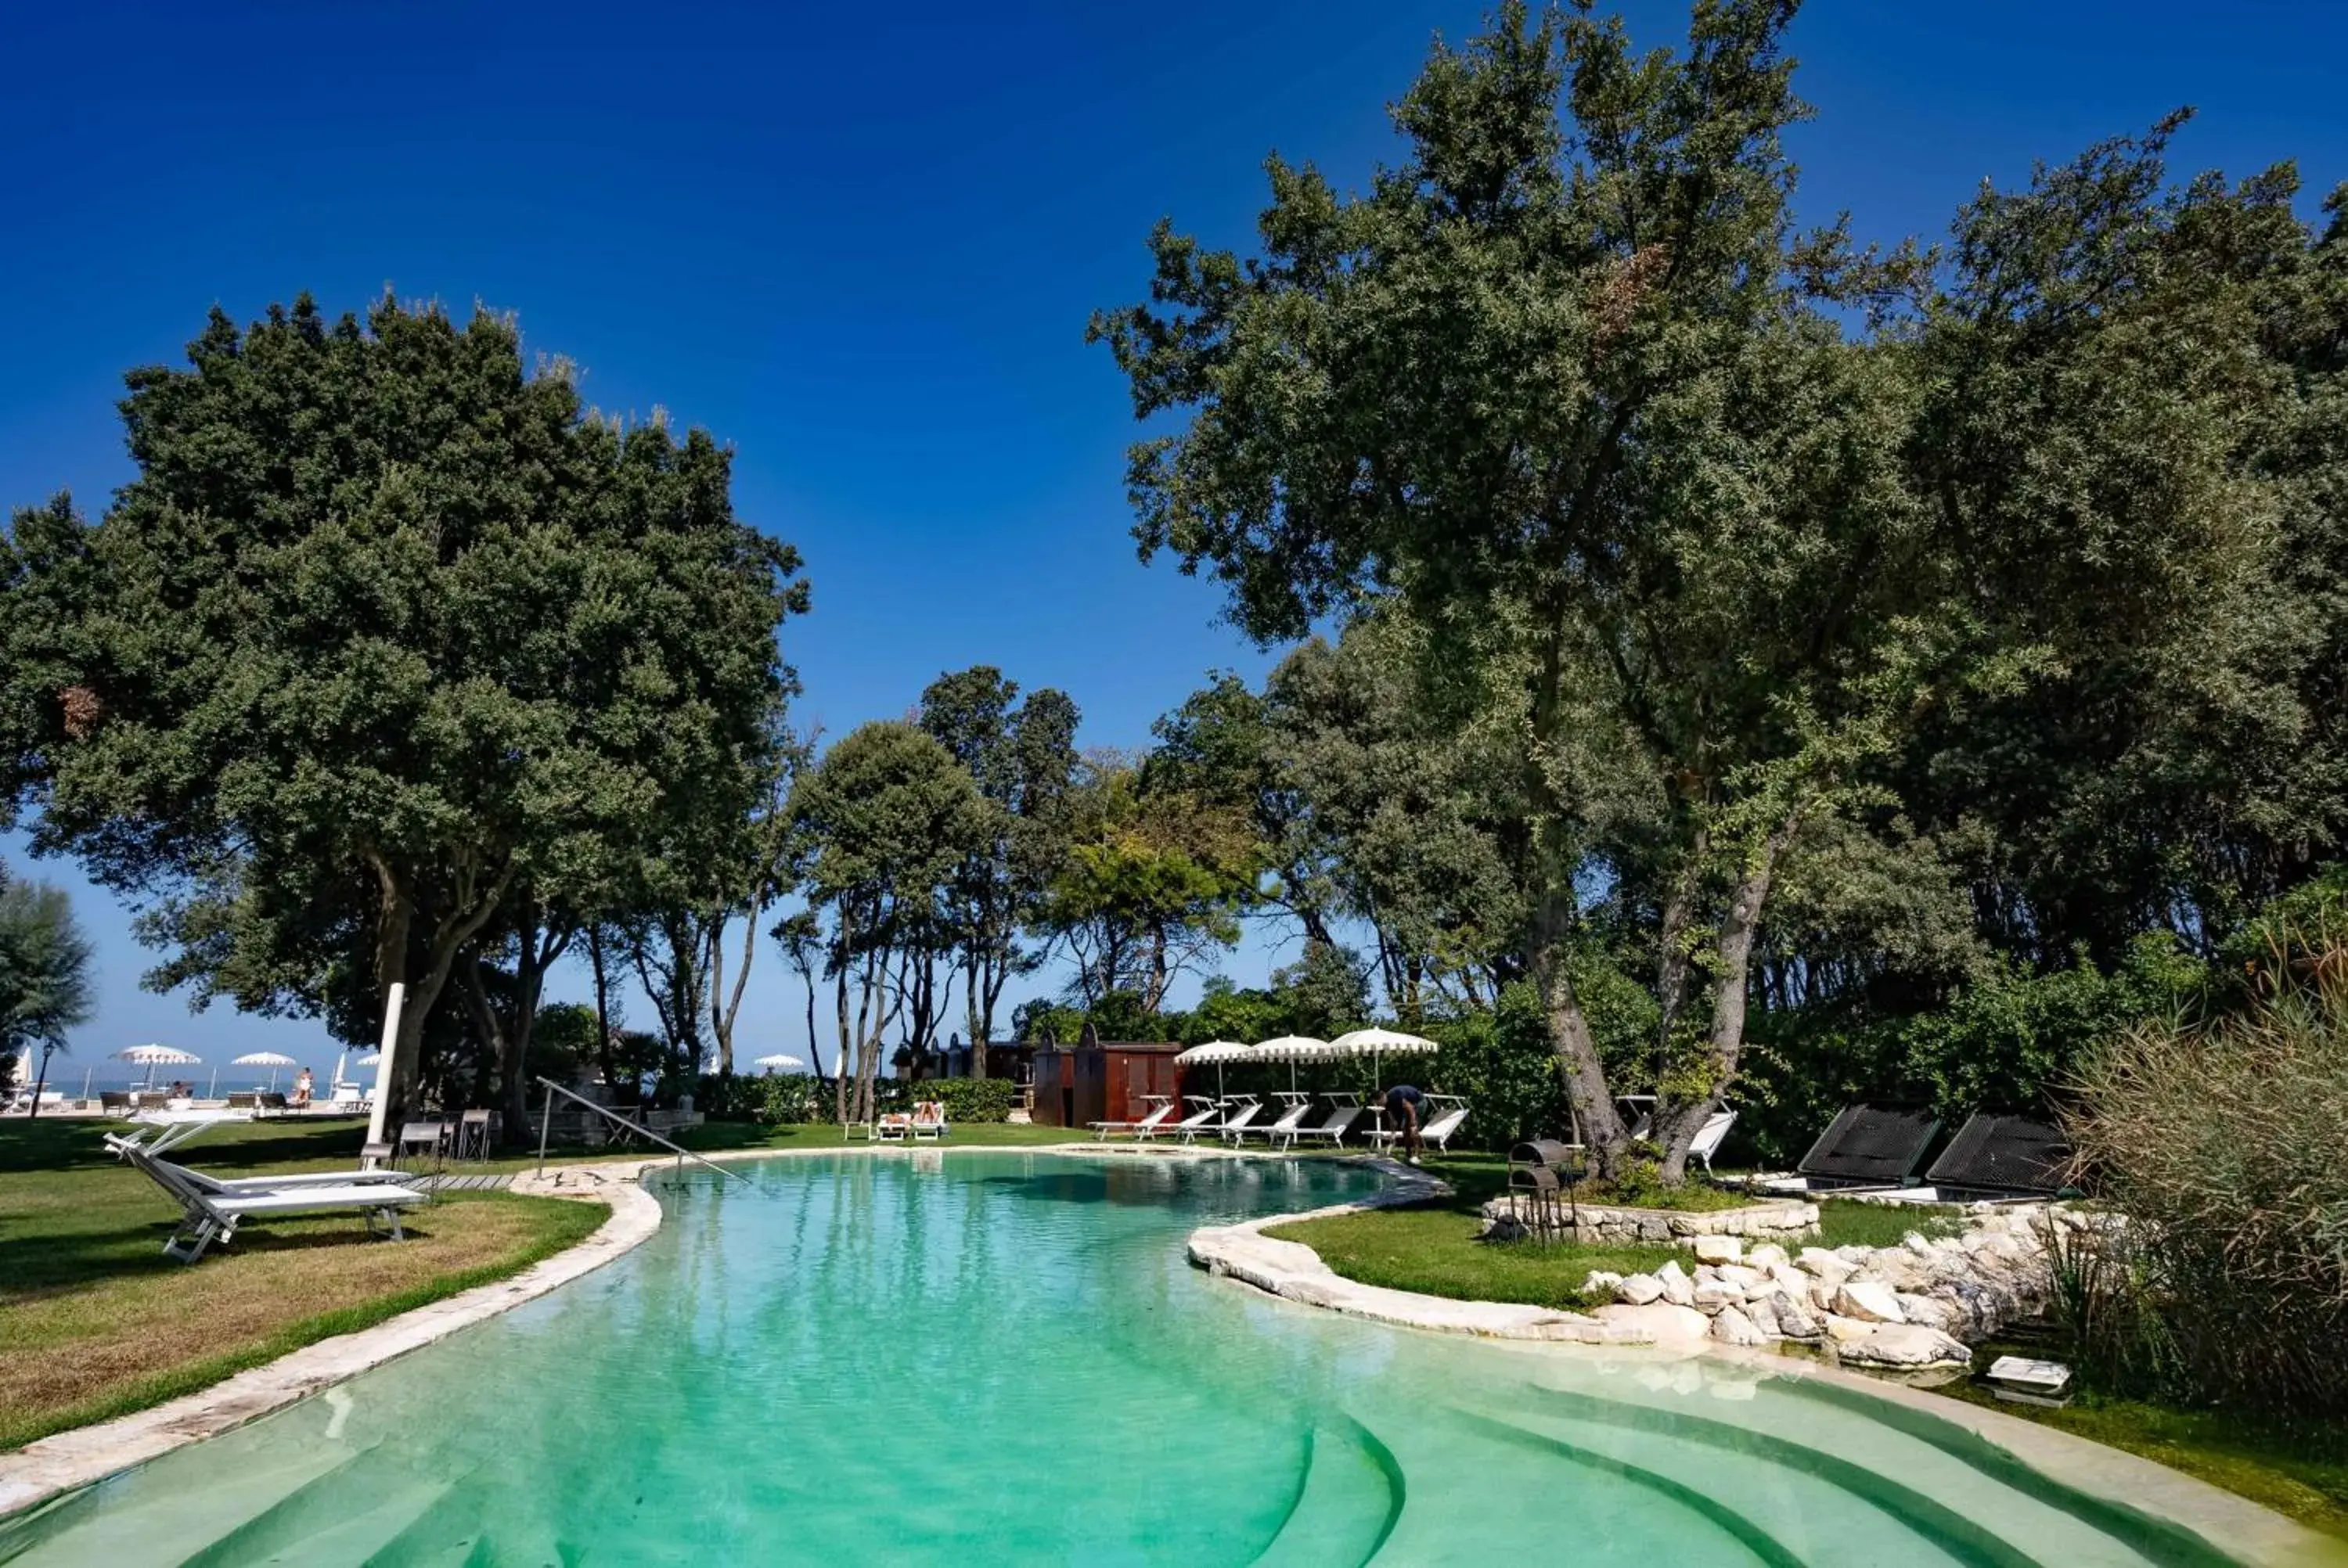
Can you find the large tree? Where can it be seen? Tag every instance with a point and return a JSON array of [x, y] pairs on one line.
[[387, 631], [890, 817], [1022, 757], [47, 988], [1565, 388]]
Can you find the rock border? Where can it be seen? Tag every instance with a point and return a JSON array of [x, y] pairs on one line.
[[1292, 1272]]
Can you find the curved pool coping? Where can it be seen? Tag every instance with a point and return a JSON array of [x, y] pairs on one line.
[[1290, 1272], [1294, 1273], [50, 1466]]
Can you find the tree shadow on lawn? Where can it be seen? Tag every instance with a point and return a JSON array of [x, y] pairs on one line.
[[35, 1266]]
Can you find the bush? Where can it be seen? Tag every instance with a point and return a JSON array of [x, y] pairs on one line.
[[2218, 1146], [784, 1100], [967, 1099], [2004, 1040]]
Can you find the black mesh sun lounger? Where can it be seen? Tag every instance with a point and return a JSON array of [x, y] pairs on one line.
[[2017, 1156], [1871, 1146]]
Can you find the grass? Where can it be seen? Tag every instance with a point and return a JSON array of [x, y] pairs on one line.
[[1432, 1248], [2299, 1472], [98, 1322]]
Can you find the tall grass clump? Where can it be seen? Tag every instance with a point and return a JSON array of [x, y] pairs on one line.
[[2221, 1146]]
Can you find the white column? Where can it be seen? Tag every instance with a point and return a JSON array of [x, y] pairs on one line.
[[383, 1061]]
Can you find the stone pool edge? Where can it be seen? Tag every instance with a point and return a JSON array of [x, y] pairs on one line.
[[2252, 1534], [67, 1462], [49, 1468]]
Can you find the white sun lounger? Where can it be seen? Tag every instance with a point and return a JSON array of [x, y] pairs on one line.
[[1282, 1132], [1710, 1136], [1344, 1112], [930, 1121], [232, 1187], [1161, 1109], [1450, 1115], [1203, 1120], [211, 1216], [1234, 1127]]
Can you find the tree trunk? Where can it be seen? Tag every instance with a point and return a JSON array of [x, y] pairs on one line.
[[603, 1062], [1576, 1050], [1677, 1126], [40, 1083]]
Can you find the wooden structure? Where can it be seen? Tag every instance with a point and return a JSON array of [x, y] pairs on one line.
[[1102, 1081]]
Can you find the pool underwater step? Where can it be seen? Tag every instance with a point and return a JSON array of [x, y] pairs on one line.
[[1839, 1463], [94, 1527], [1353, 1496]]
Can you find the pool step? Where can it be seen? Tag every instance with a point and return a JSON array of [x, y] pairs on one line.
[[117, 1522], [1352, 1495]]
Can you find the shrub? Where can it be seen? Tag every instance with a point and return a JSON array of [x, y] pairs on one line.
[[2219, 1146], [785, 1101], [967, 1099]]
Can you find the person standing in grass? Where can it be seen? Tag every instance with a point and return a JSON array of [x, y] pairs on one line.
[[301, 1089], [1402, 1106]]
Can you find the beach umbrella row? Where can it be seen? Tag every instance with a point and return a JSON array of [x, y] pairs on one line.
[[1304, 1049]]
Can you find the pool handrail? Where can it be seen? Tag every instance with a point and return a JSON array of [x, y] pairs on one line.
[[546, 1125]]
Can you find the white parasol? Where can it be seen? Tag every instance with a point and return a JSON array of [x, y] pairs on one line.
[[1217, 1052], [153, 1056], [1293, 1048], [1374, 1042], [271, 1059], [782, 1060]]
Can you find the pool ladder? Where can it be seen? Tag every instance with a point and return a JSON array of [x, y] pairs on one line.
[[546, 1126]]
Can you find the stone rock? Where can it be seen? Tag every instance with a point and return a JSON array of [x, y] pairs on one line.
[[1638, 1289], [1832, 1267], [1906, 1346], [1678, 1288], [1869, 1302], [1854, 1255], [1599, 1283], [1659, 1321], [1930, 1313], [1788, 1279], [1712, 1295], [1731, 1327], [1848, 1330], [1793, 1321], [1822, 1295], [1916, 1243], [1894, 1268], [1765, 1255], [1717, 1249], [1738, 1274]]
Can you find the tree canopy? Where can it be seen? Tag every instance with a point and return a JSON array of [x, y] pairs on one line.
[[387, 631]]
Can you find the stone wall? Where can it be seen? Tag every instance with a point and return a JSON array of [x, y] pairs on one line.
[[1504, 1219], [1913, 1308]]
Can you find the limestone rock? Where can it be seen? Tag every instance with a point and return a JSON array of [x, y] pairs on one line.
[[1712, 1295], [1638, 1289], [1832, 1267], [1678, 1288], [1906, 1346], [1794, 1322], [1739, 1275], [1600, 1284], [1663, 1322], [1868, 1301], [1767, 1256], [1717, 1249], [1848, 1330], [1731, 1327], [1930, 1313]]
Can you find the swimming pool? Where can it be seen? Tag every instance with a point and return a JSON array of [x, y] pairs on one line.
[[982, 1356]]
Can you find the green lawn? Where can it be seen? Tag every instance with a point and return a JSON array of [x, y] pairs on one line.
[[2301, 1472]]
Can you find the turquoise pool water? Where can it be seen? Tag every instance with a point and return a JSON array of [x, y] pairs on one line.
[[996, 1358]]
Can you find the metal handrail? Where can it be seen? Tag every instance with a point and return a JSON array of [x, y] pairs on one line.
[[546, 1124]]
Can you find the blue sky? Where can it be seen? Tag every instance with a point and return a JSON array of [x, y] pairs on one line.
[[861, 242]]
